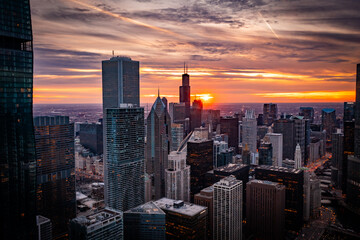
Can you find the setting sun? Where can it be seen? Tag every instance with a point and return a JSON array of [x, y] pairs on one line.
[[206, 97]]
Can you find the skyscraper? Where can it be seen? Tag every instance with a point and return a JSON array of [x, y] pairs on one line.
[[349, 111], [206, 198], [293, 179], [297, 158], [337, 158], [300, 133], [195, 114], [200, 159], [230, 127], [228, 209], [307, 113], [276, 140], [184, 92], [120, 82], [266, 154], [17, 149], [249, 131], [270, 112], [124, 173], [158, 146], [287, 128], [328, 120], [44, 231], [177, 177], [55, 171], [91, 137], [265, 209], [145, 222], [177, 135], [357, 114]]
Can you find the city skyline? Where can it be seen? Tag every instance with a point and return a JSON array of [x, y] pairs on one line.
[[237, 51]]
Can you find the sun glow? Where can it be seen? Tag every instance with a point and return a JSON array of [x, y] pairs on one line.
[[206, 97]]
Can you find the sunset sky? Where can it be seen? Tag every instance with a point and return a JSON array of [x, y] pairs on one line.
[[237, 50]]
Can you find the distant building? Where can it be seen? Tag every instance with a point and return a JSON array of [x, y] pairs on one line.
[[145, 222], [200, 159], [177, 177], [158, 144], [266, 154], [91, 137], [246, 155], [211, 117], [206, 198], [337, 158], [177, 135], [228, 209], [196, 113], [328, 121], [107, 224], [287, 128], [44, 228], [349, 111], [249, 131], [55, 171], [184, 220], [265, 209], [270, 112], [300, 135], [293, 180], [230, 127], [276, 140], [288, 163], [184, 92], [124, 170], [297, 159], [307, 113]]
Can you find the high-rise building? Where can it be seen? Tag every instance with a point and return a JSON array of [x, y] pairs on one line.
[[337, 158], [307, 113], [349, 148], [195, 114], [91, 137], [276, 140], [287, 128], [297, 157], [265, 209], [300, 135], [328, 121], [270, 112], [228, 209], [17, 148], [44, 228], [158, 144], [177, 177], [145, 222], [266, 154], [120, 82], [249, 131], [230, 127], [184, 220], [124, 168], [293, 180], [106, 224], [349, 111], [55, 171], [200, 159], [205, 198], [246, 159], [184, 92], [353, 164], [177, 135]]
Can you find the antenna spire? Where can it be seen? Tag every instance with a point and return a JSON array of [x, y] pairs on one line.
[[113, 53], [158, 92]]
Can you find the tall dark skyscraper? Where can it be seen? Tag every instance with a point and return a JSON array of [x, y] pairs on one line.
[[308, 113], [17, 147], [230, 127], [195, 114], [270, 112], [328, 121], [287, 128], [55, 171], [357, 114], [184, 92], [349, 111], [158, 146]]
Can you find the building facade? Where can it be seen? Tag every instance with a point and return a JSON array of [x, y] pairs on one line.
[[276, 140], [55, 171], [228, 209], [124, 168], [91, 137], [287, 128], [206, 198], [230, 127], [266, 154], [328, 121], [158, 144], [249, 131], [265, 209], [17, 150], [269, 113]]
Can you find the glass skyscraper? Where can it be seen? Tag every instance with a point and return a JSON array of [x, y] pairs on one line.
[[125, 173], [17, 150], [55, 171]]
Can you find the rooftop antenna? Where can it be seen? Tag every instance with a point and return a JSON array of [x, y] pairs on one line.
[[158, 91], [113, 53], [184, 68]]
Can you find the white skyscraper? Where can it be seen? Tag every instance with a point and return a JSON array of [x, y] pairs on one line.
[[249, 127], [276, 140], [177, 177], [297, 159], [228, 209]]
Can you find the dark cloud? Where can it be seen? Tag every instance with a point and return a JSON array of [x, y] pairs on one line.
[[203, 58]]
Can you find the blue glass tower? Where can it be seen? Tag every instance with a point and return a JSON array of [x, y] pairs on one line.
[[17, 150]]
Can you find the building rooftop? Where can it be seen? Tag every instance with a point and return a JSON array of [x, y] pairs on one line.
[[147, 208], [228, 181], [264, 182], [279, 169], [41, 219], [328, 110], [180, 207], [99, 219], [231, 167]]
